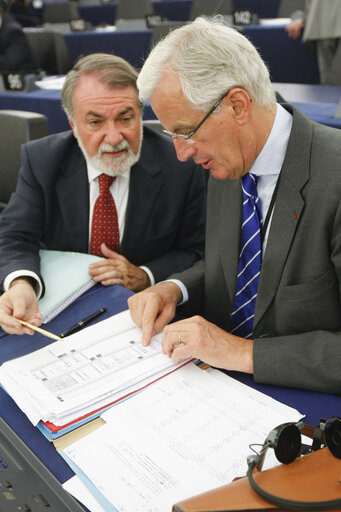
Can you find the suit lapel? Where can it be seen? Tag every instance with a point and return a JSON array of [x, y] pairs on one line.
[[144, 187], [288, 209], [229, 236], [72, 190]]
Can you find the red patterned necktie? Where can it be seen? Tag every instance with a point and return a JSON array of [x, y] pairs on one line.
[[104, 219]]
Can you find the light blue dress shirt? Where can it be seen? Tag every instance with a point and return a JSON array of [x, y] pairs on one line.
[[267, 167]]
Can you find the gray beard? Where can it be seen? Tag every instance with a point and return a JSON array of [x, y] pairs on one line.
[[112, 166]]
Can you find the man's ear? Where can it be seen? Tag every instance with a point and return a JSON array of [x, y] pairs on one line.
[[240, 104]]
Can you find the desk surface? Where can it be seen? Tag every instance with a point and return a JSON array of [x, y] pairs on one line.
[[114, 298], [319, 102], [288, 60], [45, 102]]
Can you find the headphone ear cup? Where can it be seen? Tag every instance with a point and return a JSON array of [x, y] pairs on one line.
[[288, 444], [332, 433]]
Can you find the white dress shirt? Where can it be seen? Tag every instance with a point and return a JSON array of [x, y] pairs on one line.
[[120, 192], [267, 167]]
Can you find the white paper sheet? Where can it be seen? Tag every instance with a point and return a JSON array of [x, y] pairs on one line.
[[79, 491], [185, 434]]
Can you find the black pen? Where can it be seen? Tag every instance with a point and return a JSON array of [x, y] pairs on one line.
[[79, 325]]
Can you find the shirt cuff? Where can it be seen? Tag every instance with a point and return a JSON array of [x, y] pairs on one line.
[[24, 273], [182, 288], [149, 274]]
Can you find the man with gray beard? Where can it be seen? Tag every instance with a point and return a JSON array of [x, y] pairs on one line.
[[159, 201]]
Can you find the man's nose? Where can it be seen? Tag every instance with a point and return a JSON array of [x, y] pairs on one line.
[[113, 135], [184, 150]]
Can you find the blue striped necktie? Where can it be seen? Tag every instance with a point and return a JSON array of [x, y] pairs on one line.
[[250, 259]]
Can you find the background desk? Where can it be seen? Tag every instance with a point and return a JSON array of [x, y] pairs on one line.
[[319, 102], [177, 10], [45, 102], [174, 10], [114, 298], [288, 60], [131, 45]]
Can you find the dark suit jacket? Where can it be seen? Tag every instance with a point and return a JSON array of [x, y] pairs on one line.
[[15, 51], [165, 218], [297, 326]]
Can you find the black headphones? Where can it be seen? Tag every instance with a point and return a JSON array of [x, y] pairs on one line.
[[286, 442]]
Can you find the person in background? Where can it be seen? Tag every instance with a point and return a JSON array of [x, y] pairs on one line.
[[15, 52], [154, 206], [266, 298], [320, 26], [23, 12]]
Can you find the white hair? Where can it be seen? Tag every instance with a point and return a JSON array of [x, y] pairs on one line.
[[209, 58]]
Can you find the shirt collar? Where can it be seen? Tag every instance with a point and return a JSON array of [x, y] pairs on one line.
[[271, 158], [94, 173]]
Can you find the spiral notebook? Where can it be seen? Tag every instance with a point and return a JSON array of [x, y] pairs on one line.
[[66, 277]]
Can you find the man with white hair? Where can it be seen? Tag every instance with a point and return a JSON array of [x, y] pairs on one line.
[[268, 290], [76, 184]]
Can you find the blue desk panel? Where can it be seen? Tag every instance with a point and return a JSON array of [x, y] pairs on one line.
[[174, 10], [177, 10], [288, 60], [45, 102], [321, 113], [101, 14], [130, 45], [304, 97], [114, 298], [264, 8], [309, 93]]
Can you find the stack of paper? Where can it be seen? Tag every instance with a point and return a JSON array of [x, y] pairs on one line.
[[184, 435], [70, 381]]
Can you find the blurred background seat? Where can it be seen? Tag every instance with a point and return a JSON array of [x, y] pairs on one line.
[[287, 7], [210, 8], [50, 50], [153, 123], [59, 16], [131, 14], [16, 128], [60, 12]]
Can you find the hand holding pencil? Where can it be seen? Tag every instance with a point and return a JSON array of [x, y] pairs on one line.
[[19, 303]]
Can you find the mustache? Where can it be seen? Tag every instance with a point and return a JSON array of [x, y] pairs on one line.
[[109, 148]]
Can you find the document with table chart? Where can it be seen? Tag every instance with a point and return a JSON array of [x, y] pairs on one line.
[[183, 435], [87, 371]]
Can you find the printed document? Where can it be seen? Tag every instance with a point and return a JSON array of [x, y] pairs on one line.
[[183, 435], [85, 371]]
